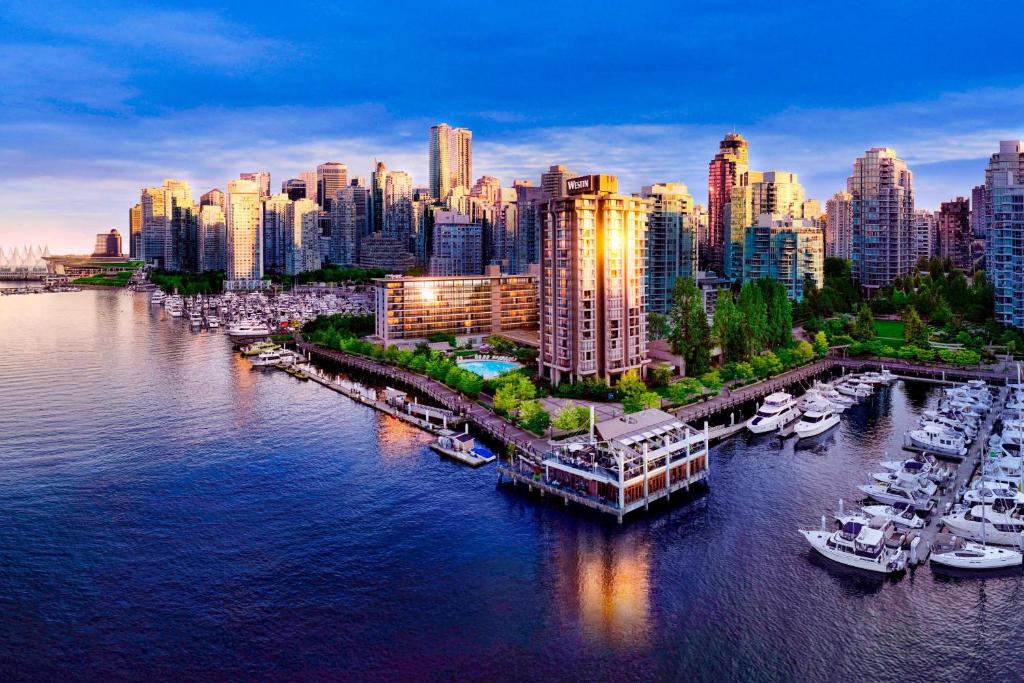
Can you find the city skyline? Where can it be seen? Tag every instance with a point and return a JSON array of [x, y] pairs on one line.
[[133, 123]]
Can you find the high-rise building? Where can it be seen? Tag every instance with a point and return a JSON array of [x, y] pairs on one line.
[[154, 225], [451, 159], [212, 198], [330, 178], [168, 224], [302, 252], [135, 232], [308, 179], [593, 313], [671, 242], [954, 233], [108, 245], [925, 239], [553, 182], [457, 245], [883, 214], [243, 224], [527, 239], [348, 223], [978, 211], [753, 194], [277, 219], [790, 250], [212, 238], [724, 171], [262, 180], [1004, 231], [295, 188], [839, 225]]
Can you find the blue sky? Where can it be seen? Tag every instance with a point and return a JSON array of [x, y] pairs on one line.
[[101, 99]]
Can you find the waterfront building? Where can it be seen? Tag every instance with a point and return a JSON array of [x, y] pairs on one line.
[[671, 243], [756, 193], [925, 239], [277, 217], [882, 188], [295, 188], [154, 217], [553, 181], [135, 232], [212, 238], [527, 239], [411, 309], [244, 231], [451, 159], [839, 226], [953, 229], [1004, 231], [262, 180], [108, 245], [593, 313], [385, 253], [790, 250], [32, 263], [724, 171], [330, 177], [457, 246]]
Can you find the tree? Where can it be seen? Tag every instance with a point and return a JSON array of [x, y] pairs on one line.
[[690, 335], [634, 394], [753, 311], [657, 326], [864, 325], [821, 343], [915, 332], [730, 329], [712, 380], [572, 418], [766, 365], [660, 375], [803, 352], [533, 416], [681, 391]]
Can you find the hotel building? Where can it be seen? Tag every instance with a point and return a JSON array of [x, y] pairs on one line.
[[593, 312], [790, 250], [1004, 231], [411, 309], [882, 188]]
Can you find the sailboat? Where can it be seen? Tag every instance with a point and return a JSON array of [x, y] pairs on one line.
[[954, 551]]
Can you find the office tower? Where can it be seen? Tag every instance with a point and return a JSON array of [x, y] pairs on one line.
[[724, 172], [330, 178], [753, 194], [295, 188], [167, 219], [527, 239], [302, 239], [212, 198], [153, 217], [135, 232], [790, 250], [308, 179], [553, 182], [348, 223], [422, 224], [671, 242], [277, 217], [839, 225], [883, 213], [593, 316], [925, 239], [451, 159], [212, 238], [108, 245], [179, 226], [262, 180], [457, 247], [954, 232], [243, 219], [978, 211], [397, 207], [1004, 231]]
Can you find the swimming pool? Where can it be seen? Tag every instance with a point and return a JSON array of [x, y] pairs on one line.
[[489, 368]]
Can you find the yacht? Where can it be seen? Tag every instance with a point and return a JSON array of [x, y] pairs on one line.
[[900, 514], [174, 306], [859, 542], [158, 297], [248, 329], [968, 430], [272, 357], [1000, 495], [908, 479], [975, 522], [854, 389], [934, 438], [778, 410], [959, 553], [818, 419], [927, 462], [897, 492], [213, 322]]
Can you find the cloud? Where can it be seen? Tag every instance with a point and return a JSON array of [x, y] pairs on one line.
[[43, 75]]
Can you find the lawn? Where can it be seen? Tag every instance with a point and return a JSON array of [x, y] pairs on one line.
[[890, 332]]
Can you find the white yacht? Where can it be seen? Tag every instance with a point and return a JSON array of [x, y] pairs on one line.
[[158, 297], [996, 493], [818, 419], [174, 306], [934, 438], [854, 389], [897, 492], [968, 430], [908, 478], [273, 357], [900, 514], [248, 329], [778, 410], [977, 521], [927, 462], [959, 553], [859, 542]]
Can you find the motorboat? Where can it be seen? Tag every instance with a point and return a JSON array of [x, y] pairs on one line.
[[897, 492], [968, 430], [855, 389], [778, 410], [1000, 495], [248, 329], [1007, 469], [976, 522], [859, 542], [158, 297], [911, 478], [900, 514], [955, 551], [935, 439], [213, 322], [273, 357], [818, 419], [927, 461], [257, 348]]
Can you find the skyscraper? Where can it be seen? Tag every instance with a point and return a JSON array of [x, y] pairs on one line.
[[925, 239], [593, 314], [457, 247], [167, 216], [243, 224], [553, 182], [135, 232], [277, 218], [1004, 230], [883, 213], [262, 180], [451, 159], [391, 209], [154, 220], [953, 228], [348, 223], [839, 225], [756, 193], [295, 188], [671, 242], [308, 179], [302, 238], [330, 177], [978, 211], [790, 250], [527, 239], [724, 171], [212, 238], [213, 198]]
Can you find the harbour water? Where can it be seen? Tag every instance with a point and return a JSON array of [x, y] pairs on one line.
[[166, 511]]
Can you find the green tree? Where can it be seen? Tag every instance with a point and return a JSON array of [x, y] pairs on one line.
[[753, 313], [766, 365], [803, 352], [914, 330], [533, 417], [634, 393], [658, 326], [712, 381], [572, 418], [684, 389], [660, 375], [864, 325], [730, 330], [690, 336], [821, 343]]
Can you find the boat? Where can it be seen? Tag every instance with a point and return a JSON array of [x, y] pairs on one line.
[[256, 348], [273, 357], [248, 329], [463, 447], [854, 389], [975, 522], [858, 542], [158, 297], [897, 492], [818, 419], [213, 322], [998, 494], [900, 514], [927, 461], [935, 439], [909, 478], [778, 410], [954, 551]]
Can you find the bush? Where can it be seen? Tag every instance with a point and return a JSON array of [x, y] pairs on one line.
[[766, 365], [803, 352], [712, 380], [683, 390], [572, 418], [533, 417], [660, 375]]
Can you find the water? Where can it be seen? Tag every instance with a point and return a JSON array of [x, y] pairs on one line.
[[488, 368], [167, 512]]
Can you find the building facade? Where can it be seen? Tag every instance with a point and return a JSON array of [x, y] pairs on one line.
[[1004, 231], [135, 232], [262, 180], [839, 226], [724, 171], [671, 243], [953, 229], [757, 193], [457, 247], [925, 234], [451, 159], [212, 238], [330, 177], [882, 190], [553, 181], [244, 232], [790, 250], [108, 245], [593, 312]]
